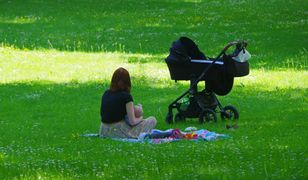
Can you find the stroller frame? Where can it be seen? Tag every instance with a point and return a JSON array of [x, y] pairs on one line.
[[208, 111]]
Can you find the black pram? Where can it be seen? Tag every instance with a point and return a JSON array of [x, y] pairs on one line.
[[187, 62]]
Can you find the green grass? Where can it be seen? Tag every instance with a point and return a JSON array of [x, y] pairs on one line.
[[57, 58], [277, 35]]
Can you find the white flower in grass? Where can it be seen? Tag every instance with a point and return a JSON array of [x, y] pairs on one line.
[[33, 96]]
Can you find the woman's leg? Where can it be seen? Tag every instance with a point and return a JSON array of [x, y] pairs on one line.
[[115, 130], [101, 130], [150, 123], [145, 126], [123, 130]]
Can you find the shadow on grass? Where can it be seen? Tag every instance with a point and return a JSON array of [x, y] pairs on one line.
[[90, 26], [40, 124], [151, 27], [74, 107]]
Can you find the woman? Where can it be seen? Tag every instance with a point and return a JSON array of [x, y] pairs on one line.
[[120, 118]]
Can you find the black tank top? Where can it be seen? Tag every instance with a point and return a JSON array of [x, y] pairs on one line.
[[113, 106]]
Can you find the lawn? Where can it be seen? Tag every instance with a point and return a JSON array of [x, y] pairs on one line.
[[57, 58]]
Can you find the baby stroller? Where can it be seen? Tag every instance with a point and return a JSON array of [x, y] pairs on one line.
[[186, 62]]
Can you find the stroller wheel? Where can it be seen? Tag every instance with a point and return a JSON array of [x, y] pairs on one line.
[[169, 118], [229, 113], [207, 115], [179, 117]]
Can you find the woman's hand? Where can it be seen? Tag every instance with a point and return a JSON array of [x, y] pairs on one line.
[[138, 111], [133, 119]]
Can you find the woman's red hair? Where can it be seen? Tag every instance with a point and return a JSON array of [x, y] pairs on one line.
[[120, 80]]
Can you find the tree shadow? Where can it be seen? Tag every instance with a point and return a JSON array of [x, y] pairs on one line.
[[41, 123], [74, 107], [149, 27], [88, 26]]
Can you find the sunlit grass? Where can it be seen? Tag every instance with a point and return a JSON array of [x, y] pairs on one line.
[[58, 67], [20, 20]]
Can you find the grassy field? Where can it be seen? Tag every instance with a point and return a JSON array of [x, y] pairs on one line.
[[57, 58]]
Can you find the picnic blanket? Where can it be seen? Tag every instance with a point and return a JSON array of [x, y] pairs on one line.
[[157, 136]]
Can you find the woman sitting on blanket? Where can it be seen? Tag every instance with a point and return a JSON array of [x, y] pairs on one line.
[[120, 118]]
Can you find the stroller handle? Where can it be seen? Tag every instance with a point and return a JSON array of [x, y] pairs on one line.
[[240, 44]]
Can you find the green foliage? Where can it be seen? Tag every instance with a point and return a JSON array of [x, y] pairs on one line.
[[57, 58]]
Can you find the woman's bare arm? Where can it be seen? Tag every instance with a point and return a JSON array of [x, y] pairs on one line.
[[131, 114]]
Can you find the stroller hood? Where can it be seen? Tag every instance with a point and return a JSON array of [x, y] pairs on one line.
[[183, 50]]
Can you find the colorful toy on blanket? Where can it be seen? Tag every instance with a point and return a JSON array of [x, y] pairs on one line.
[[191, 136], [159, 136], [190, 133]]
